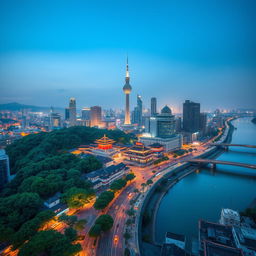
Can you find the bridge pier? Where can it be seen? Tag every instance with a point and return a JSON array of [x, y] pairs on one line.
[[226, 148], [213, 166]]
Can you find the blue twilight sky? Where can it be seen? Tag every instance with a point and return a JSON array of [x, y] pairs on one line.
[[199, 50]]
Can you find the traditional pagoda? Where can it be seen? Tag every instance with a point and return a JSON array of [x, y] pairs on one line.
[[139, 154], [105, 143]]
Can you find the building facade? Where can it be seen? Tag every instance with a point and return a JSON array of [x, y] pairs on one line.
[[153, 106], [95, 116], [191, 116], [4, 168]]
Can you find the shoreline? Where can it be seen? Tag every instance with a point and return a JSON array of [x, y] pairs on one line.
[[213, 153]]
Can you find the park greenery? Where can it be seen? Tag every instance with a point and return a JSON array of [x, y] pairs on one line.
[[162, 159], [103, 200], [43, 165], [102, 224], [51, 243], [118, 184]]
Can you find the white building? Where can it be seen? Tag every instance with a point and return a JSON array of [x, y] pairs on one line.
[[169, 144], [105, 176], [229, 217]]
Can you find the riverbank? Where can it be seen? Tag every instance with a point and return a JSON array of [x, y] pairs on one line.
[[147, 241]]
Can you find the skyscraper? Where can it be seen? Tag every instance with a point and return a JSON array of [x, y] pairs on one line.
[[137, 113], [153, 106], [95, 116], [72, 112], [127, 90], [191, 116], [86, 113], [163, 125], [4, 168]]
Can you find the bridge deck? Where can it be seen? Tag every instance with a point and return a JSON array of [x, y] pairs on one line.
[[233, 145], [212, 161]]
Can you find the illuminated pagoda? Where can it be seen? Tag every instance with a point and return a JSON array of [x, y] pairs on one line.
[[105, 143], [139, 154]]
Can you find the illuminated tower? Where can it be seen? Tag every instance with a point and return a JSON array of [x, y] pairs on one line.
[[127, 90]]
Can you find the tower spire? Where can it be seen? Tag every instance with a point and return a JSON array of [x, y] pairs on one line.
[[127, 69]]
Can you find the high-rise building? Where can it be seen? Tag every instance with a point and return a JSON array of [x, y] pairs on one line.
[[72, 112], [191, 116], [139, 105], [178, 124], [203, 122], [127, 90], [163, 125], [86, 113], [4, 168], [66, 114], [137, 113], [153, 106], [55, 120], [96, 116]]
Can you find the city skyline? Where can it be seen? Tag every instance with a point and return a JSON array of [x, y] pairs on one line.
[[209, 59]]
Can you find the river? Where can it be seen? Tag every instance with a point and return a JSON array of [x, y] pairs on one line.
[[202, 195]]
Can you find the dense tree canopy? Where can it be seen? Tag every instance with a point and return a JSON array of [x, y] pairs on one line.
[[103, 223], [106, 222], [77, 197], [43, 166], [103, 200], [36, 147], [50, 243], [118, 184]]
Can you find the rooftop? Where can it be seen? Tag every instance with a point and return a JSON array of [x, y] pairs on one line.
[[175, 236], [213, 249], [172, 250], [216, 233], [105, 172], [53, 198]]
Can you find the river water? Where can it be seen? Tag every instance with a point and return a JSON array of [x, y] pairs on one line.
[[202, 195]]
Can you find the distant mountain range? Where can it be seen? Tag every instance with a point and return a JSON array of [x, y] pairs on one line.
[[14, 106]]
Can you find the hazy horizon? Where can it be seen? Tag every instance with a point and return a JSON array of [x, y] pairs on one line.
[[202, 51]]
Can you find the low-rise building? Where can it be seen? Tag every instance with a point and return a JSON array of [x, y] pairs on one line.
[[216, 233], [214, 249], [105, 176], [229, 217], [245, 239], [172, 250], [178, 240], [170, 144], [139, 154], [53, 203]]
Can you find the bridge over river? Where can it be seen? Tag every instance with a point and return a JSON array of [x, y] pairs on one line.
[[215, 162], [225, 145]]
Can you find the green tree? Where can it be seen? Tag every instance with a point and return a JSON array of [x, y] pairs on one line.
[[130, 176], [80, 224], [105, 221], [103, 200], [118, 184], [149, 182], [95, 230], [77, 197], [71, 234], [68, 219], [127, 235], [50, 243]]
